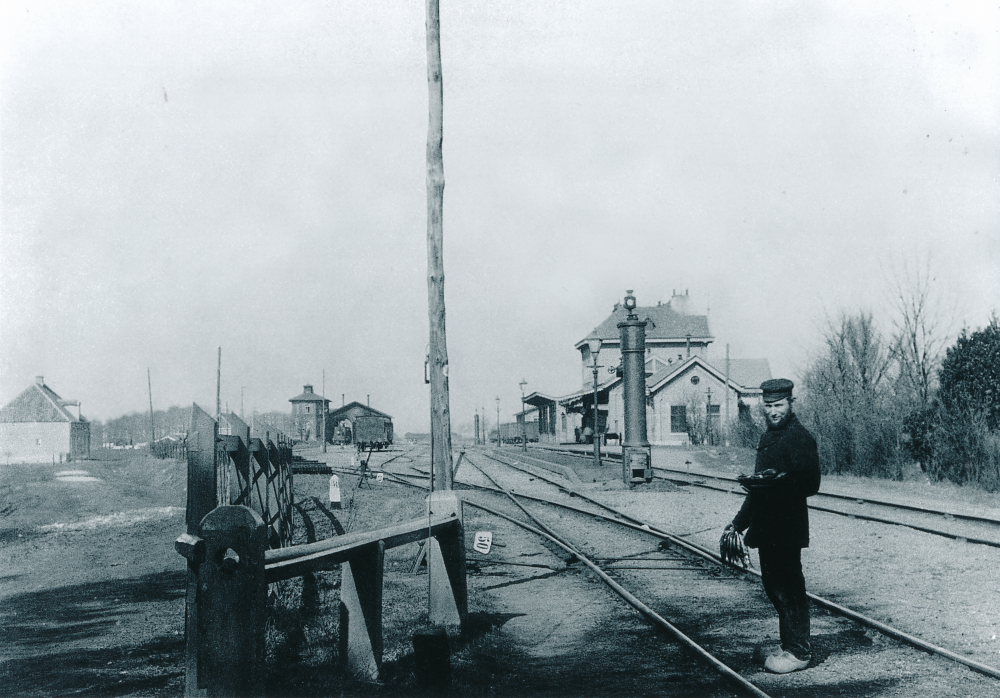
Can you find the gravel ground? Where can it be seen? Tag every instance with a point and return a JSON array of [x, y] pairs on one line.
[[91, 592]]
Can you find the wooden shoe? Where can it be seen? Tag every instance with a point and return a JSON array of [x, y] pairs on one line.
[[785, 663], [762, 651]]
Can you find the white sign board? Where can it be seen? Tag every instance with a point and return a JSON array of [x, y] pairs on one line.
[[483, 542]]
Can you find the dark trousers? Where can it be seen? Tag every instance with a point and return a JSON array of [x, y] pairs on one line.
[[781, 573]]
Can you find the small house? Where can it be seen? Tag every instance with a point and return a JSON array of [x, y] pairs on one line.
[[36, 427]]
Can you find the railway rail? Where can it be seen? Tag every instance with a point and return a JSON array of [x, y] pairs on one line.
[[883, 628], [955, 519], [538, 527], [967, 528], [581, 506], [523, 463]]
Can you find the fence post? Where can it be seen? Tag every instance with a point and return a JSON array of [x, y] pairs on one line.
[[361, 612], [232, 603], [448, 602], [200, 501]]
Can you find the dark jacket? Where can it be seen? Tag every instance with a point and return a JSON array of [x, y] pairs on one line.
[[778, 515]]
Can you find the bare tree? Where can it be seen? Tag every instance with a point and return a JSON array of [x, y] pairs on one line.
[[855, 362], [921, 331], [847, 401]]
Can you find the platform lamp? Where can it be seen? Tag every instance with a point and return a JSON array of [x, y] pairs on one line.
[[524, 423], [595, 349], [498, 421]]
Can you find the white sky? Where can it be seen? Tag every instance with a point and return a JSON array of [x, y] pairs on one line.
[[178, 176]]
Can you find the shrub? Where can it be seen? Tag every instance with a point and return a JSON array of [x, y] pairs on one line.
[[966, 450], [746, 430]]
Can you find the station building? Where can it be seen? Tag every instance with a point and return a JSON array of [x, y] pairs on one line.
[[36, 427], [689, 398]]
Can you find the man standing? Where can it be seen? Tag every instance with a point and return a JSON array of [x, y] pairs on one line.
[[776, 519]]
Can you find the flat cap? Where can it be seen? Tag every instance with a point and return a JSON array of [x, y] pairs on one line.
[[776, 389]]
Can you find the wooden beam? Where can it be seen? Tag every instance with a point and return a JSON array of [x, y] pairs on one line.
[[286, 563]]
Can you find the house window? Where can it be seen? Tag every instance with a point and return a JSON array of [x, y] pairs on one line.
[[307, 409], [695, 380], [713, 414], [678, 419]]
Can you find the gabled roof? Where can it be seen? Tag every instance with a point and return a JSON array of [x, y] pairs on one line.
[[38, 403], [749, 373], [740, 370], [665, 324], [354, 406]]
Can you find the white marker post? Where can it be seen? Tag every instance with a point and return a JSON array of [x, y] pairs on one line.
[[483, 542], [334, 492]]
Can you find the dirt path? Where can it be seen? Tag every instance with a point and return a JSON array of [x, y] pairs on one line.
[[91, 596]]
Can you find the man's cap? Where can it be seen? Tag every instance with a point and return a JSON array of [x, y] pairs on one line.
[[776, 389]]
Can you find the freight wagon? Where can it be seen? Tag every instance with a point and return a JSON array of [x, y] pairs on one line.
[[372, 433], [512, 433]]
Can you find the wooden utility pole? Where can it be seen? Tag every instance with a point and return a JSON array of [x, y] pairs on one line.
[[218, 388], [727, 395], [152, 425], [441, 463], [322, 406]]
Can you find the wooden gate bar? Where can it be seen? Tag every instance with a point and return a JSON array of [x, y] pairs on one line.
[[286, 563]]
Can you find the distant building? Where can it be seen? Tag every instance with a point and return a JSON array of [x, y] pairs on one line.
[[673, 335], [36, 427], [307, 415], [340, 423]]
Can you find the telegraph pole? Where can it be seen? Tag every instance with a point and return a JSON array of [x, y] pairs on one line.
[[441, 463], [152, 426], [218, 388]]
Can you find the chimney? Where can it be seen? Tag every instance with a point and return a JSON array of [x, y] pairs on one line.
[[40, 380], [681, 303], [307, 388]]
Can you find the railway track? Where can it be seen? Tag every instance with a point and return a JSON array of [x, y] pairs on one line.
[[537, 526], [542, 469], [828, 604], [958, 526], [640, 570]]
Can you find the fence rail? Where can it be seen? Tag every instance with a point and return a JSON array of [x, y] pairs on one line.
[[238, 540]]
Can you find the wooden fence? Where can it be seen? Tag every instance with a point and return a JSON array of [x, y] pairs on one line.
[[229, 466], [238, 540], [169, 448]]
